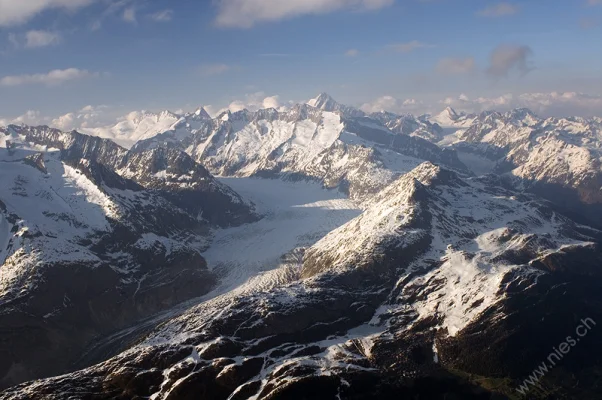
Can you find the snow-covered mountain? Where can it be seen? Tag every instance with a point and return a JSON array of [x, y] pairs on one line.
[[386, 305], [449, 118], [410, 125], [93, 238], [558, 158], [325, 102], [140, 125], [359, 155]]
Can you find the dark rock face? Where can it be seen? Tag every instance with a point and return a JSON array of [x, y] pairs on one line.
[[36, 345], [513, 338], [188, 185]]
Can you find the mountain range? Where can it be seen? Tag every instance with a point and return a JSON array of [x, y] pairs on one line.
[[315, 252]]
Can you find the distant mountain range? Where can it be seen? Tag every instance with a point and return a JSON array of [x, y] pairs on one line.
[[549, 156]]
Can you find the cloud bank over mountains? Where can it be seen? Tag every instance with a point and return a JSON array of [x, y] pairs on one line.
[[544, 104]]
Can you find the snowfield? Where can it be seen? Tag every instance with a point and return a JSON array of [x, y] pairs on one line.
[[296, 215]]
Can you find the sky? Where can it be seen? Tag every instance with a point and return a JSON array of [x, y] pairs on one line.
[[104, 58]]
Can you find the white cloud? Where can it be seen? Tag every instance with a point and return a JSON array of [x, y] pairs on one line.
[[237, 105], [34, 39], [123, 9], [65, 122], [464, 103], [55, 77], [89, 117], [352, 53], [545, 104], [89, 108], [455, 66], [214, 69], [162, 16], [271, 102], [92, 120], [247, 13], [30, 117], [129, 15], [41, 39], [506, 58], [251, 102], [15, 12], [254, 102], [567, 103], [499, 10], [409, 46], [391, 104]]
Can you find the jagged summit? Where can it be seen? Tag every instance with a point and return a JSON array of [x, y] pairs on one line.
[[451, 112], [200, 113], [523, 115], [447, 117], [325, 102]]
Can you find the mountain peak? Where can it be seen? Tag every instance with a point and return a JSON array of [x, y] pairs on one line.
[[450, 112], [166, 114], [447, 117], [324, 102], [522, 113], [202, 113]]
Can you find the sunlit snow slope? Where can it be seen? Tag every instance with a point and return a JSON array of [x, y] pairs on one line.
[[296, 215]]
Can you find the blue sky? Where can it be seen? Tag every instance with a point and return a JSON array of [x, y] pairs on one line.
[[156, 54]]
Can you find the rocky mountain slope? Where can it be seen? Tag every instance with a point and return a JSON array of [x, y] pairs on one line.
[[93, 239], [404, 300]]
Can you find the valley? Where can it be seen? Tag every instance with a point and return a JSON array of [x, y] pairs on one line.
[[295, 216]]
